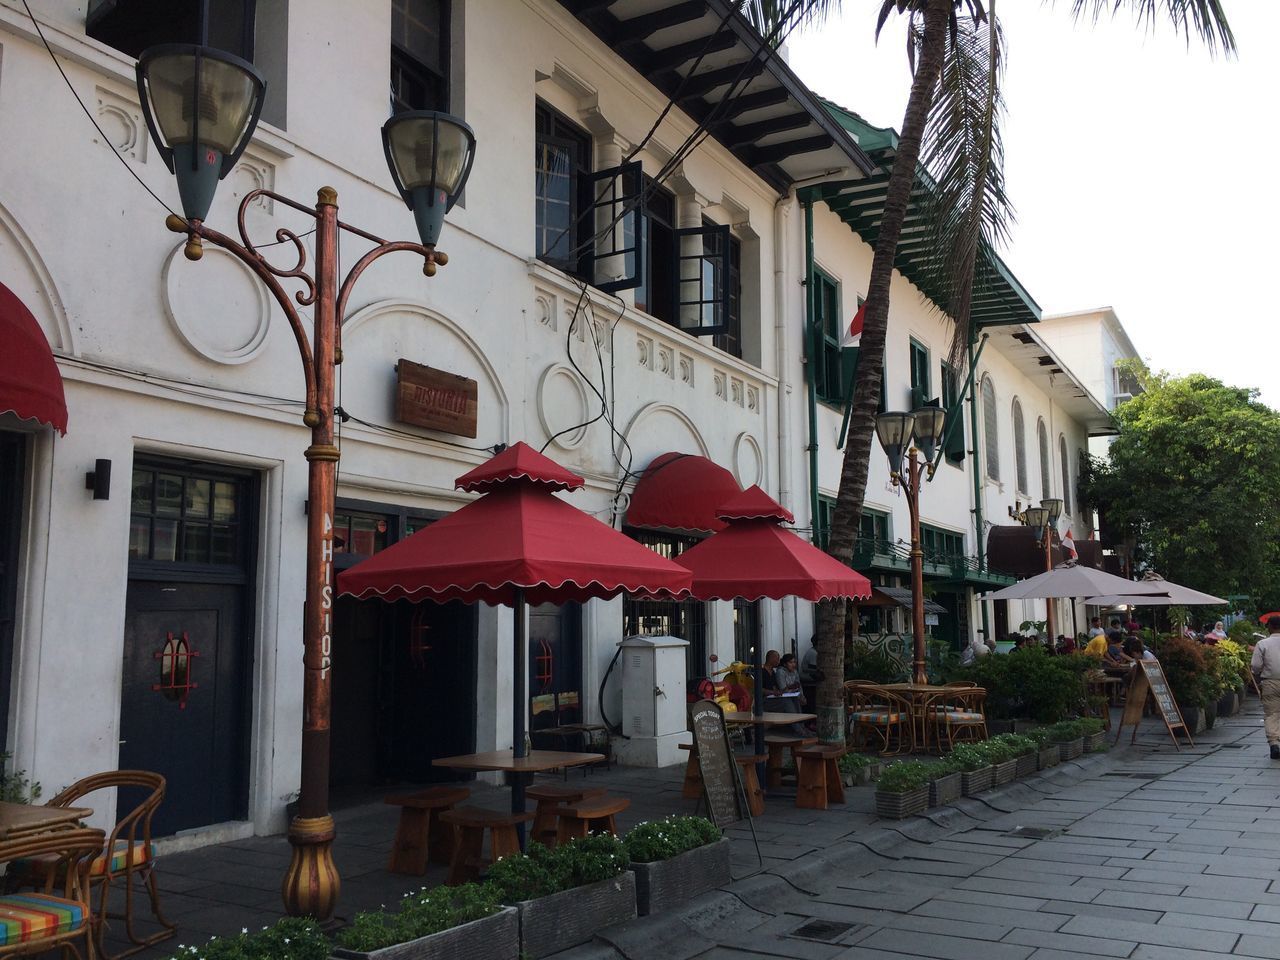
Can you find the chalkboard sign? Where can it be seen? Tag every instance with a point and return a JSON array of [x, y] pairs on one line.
[[1160, 691], [715, 760], [1150, 681]]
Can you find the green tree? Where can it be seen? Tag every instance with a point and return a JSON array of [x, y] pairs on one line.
[[1193, 480], [960, 106]]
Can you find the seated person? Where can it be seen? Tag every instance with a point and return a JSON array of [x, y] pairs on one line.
[[790, 697], [1115, 655], [1066, 645], [1137, 650], [976, 648], [1097, 646]]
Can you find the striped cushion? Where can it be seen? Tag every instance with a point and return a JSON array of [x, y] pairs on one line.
[[958, 716], [140, 853], [871, 716], [33, 916]]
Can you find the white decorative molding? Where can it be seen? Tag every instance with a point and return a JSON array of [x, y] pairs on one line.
[[52, 309], [753, 399], [557, 383], [720, 381], [737, 391], [670, 442], [748, 460], [236, 331], [686, 369], [644, 351], [121, 121], [544, 309], [253, 173], [666, 360]]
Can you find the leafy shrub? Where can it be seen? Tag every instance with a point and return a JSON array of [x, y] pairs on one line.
[[668, 837], [969, 757], [943, 768], [856, 761], [293, 938], [1088, 726], [1244, 633], [876, 666], [420, 914], [1232, 664], [1064, 732], [905, 776], [1030, 682], [1039, 736], [1187, 671], [997, 751], [14, 785], [542, 871], [1016, 742]]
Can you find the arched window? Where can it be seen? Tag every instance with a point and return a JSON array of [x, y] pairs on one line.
[[1066, 474], [1046, 489], [1020, 447], [989, 428]]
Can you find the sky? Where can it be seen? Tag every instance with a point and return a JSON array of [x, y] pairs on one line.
[[1143, 172]]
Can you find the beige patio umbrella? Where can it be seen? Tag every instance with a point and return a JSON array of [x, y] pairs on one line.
[[1171, 595], [1069, 579]]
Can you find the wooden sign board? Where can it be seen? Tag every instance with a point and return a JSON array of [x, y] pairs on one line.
[[720, 785], [435, 399], [1151, 683]]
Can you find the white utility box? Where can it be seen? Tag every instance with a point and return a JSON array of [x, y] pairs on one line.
[[654, 710]]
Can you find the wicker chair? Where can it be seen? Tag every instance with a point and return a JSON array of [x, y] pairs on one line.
[[956, 714], [126, 856], [59, 911], [884, 713]]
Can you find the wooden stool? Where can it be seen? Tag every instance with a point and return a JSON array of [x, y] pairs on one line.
[[470, 824], [751, 782], [595, 815], [776, 744], [549, 798], [692, 789], [818, 776], [420, 835]]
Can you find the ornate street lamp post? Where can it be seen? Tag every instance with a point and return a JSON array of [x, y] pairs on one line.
[[904, 437], [201, 106], [1044, 520]]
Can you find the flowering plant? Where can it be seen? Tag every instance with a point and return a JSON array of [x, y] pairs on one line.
[[293, 938], [421, 914], [669, 837]]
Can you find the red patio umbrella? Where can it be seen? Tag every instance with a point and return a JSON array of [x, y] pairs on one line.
[[517, 544], [755, 557]]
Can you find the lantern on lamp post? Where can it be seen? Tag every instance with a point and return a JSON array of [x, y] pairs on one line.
[[904, 437], [201, 107]]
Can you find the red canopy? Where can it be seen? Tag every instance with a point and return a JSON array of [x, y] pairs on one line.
[[754, 557], [681, 491], [30, 384], [518, 535]]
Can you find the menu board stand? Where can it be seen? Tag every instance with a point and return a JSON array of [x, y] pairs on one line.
[[1150, 683], [722, 789]]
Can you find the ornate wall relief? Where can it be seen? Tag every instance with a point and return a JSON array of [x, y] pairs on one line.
[[217, 306]]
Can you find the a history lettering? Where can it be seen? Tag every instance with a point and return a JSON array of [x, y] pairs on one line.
[[436, 399]]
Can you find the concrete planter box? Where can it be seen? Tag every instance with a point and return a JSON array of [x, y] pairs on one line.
[[1048, 756], [899, 806], [1071, 749], [1026, 765], [495, 937], [571, 917], [975, 781], [1005, 772], [1194, 718], [1228, 704], [945, 789], [1095, 741], [666, 884], [860, 776]]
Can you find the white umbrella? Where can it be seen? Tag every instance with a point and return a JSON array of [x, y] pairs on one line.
[[1171, 595], [1072, 580]]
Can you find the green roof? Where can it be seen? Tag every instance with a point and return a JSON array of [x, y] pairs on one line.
[[998, 297]]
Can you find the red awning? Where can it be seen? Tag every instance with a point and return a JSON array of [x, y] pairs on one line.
[[30, 383], [754, 557], [681, 491]]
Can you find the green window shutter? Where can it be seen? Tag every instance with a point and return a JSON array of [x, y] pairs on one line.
[[848, 371]]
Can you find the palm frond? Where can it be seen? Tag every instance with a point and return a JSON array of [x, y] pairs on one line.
[[1202, 18], [967, 209], [778, 17]]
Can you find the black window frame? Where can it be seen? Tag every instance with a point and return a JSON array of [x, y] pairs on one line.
[[953, 448], [689, 617], [131, 26], [941, 545], [730, 338], [710, 255], [655, 287], [405, 63], [921, 381], [554, 129]]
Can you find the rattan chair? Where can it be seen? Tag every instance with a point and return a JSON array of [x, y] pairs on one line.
[[956, 714], [59, 911], [880, 711], [127, 857]]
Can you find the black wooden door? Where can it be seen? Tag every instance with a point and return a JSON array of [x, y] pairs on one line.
[[184, 698], [555, 665]]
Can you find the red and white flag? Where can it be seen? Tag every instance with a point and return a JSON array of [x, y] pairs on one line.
[[1069, 545], [852, 335]]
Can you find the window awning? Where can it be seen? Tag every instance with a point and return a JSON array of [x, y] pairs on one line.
[[681, 491], [30, 382], [902, 597], [1015, 550]]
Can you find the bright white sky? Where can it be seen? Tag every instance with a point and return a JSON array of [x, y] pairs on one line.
[[1144, 174]]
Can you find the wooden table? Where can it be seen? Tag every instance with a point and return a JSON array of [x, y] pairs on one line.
[[22, 819], [917, 693], [538, 761], [767, 719]]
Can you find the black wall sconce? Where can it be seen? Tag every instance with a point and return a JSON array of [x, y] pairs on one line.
[[99, 480]]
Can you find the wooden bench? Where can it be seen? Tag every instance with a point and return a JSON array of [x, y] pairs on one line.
[[470, 823], [818, 776], [692, 789], [594, 815], [420, 835], [550, 798], [776, 743], [751, 782]]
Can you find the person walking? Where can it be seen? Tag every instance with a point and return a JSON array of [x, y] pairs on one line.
[[1266, 666]]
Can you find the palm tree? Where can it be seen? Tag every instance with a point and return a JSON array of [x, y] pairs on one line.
[[952, 117]]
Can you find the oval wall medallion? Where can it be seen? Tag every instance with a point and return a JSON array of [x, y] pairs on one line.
[[748, 461], [216, 305], [562, 402]]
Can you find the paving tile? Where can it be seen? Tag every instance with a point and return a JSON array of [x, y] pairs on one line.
[[1047, 891], [1150, 933], [941, 947], [998, 913], [1058, 940], [1103, 909], [1258, 946]]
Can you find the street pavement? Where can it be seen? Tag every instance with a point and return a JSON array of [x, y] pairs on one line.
[[1145, 852]]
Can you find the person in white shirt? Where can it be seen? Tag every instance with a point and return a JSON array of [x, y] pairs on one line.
[[1266, 666], [972, 652], [1096, 629]]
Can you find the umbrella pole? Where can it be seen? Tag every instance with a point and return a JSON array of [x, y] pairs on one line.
[[519, 706]]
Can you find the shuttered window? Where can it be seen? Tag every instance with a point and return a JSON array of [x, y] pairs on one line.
[[990, 419], [1066, 474], [1042, 435], [1020, 447], [920, 387], [955, 417]]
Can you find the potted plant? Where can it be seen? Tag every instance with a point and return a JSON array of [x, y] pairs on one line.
[[1068, 738], [1093, 730], [1004, 766], [975, 768], [566, 894], [676, 859], [1190, 682], [1024, 753], [293, 938], [858, 768], [903, 790], [944, 782], [443, 923], [1047, 754]]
